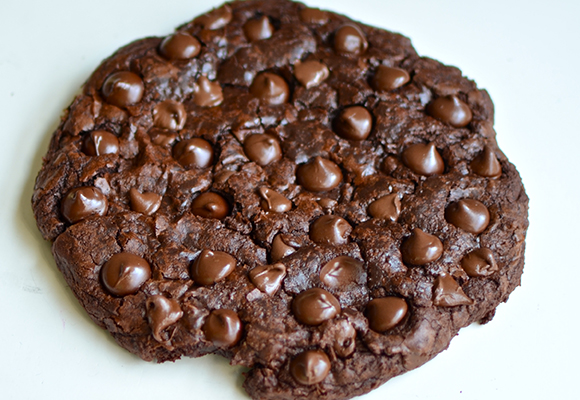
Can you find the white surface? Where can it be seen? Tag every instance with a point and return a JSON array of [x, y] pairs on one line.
[[525, 53]]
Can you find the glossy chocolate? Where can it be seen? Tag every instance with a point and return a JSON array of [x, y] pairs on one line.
[[98, 143], [330, 230], [223, 328], [169, 114], [124, 274], [386, 207], [479, 262], [311, 73], [486, 164], [193, 153], [83, 202], [448, 293], [423, 159], [450, 110], [211, 267], [310, 367], [270, 88], [280, 249], [313, 16], [421, 248], [179, 46], [216, 18], [122, 89], [344, 339], [210, 205], [145, 203], [468, 214], [258, 29], [268, 278], [314, 306], [207, 93], [350, 39], [273, 201], [262, 149], [385, 313], [389, 78], [354, 123], [341, 272], [319, 175], [161, 314]]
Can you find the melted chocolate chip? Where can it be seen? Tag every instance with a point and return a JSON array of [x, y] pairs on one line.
[[268, 278], [310, 367], [423, 159], [311, 73], [207, 93], [389, 78], [258, 29], [350, 39], [450, 110], [354, 123], [262, 149], [314, 306], [313, 16], [169, 114], [223, 328], [341, 272], [123, 89], [479, 262], [216, 18], [319, 175], [280, 249], [211, 267], [386, 207], [210, 205], [162, 313], [486, 164], [448, 293], [330, 230], [421, 248], [270, 88], [385, 313], [145, 203], [124, 274], [179, 46], [83, 202], [193, 153], [98, 143], [163, 138], [344, 339], [273, 201], [468, 214]]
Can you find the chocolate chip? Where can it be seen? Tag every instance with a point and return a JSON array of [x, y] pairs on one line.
[[273, 201], [193, 153], [330, 230], [145, 203], [216, 18], [162, 313], [385, 313], [314, 306], [344, 339], [486, 164], [468, 214], [423, 159], [124, 274], [280, 249], [258, 29], [98, 143], [479, 262], [211, 267], [421, 248], [83, 202], [389, 78], [313, 16], [268, 278], [450, 110], [223, 328], [354, 123], [210, 205], [163, 138], [319, 175], [448, 293], [179, 46], [169, 114], [123, 89], [207, 93], [340, 272], [270, 88], [311, 73], [310, 367], [349, 39], [386, 207], [262, 149]]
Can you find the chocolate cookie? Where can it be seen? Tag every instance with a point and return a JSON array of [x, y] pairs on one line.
[[292, 190]]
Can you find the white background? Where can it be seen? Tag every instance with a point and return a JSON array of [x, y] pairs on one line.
[[525, 53]]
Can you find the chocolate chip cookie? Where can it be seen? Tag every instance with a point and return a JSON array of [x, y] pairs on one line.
[[295, 191]]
